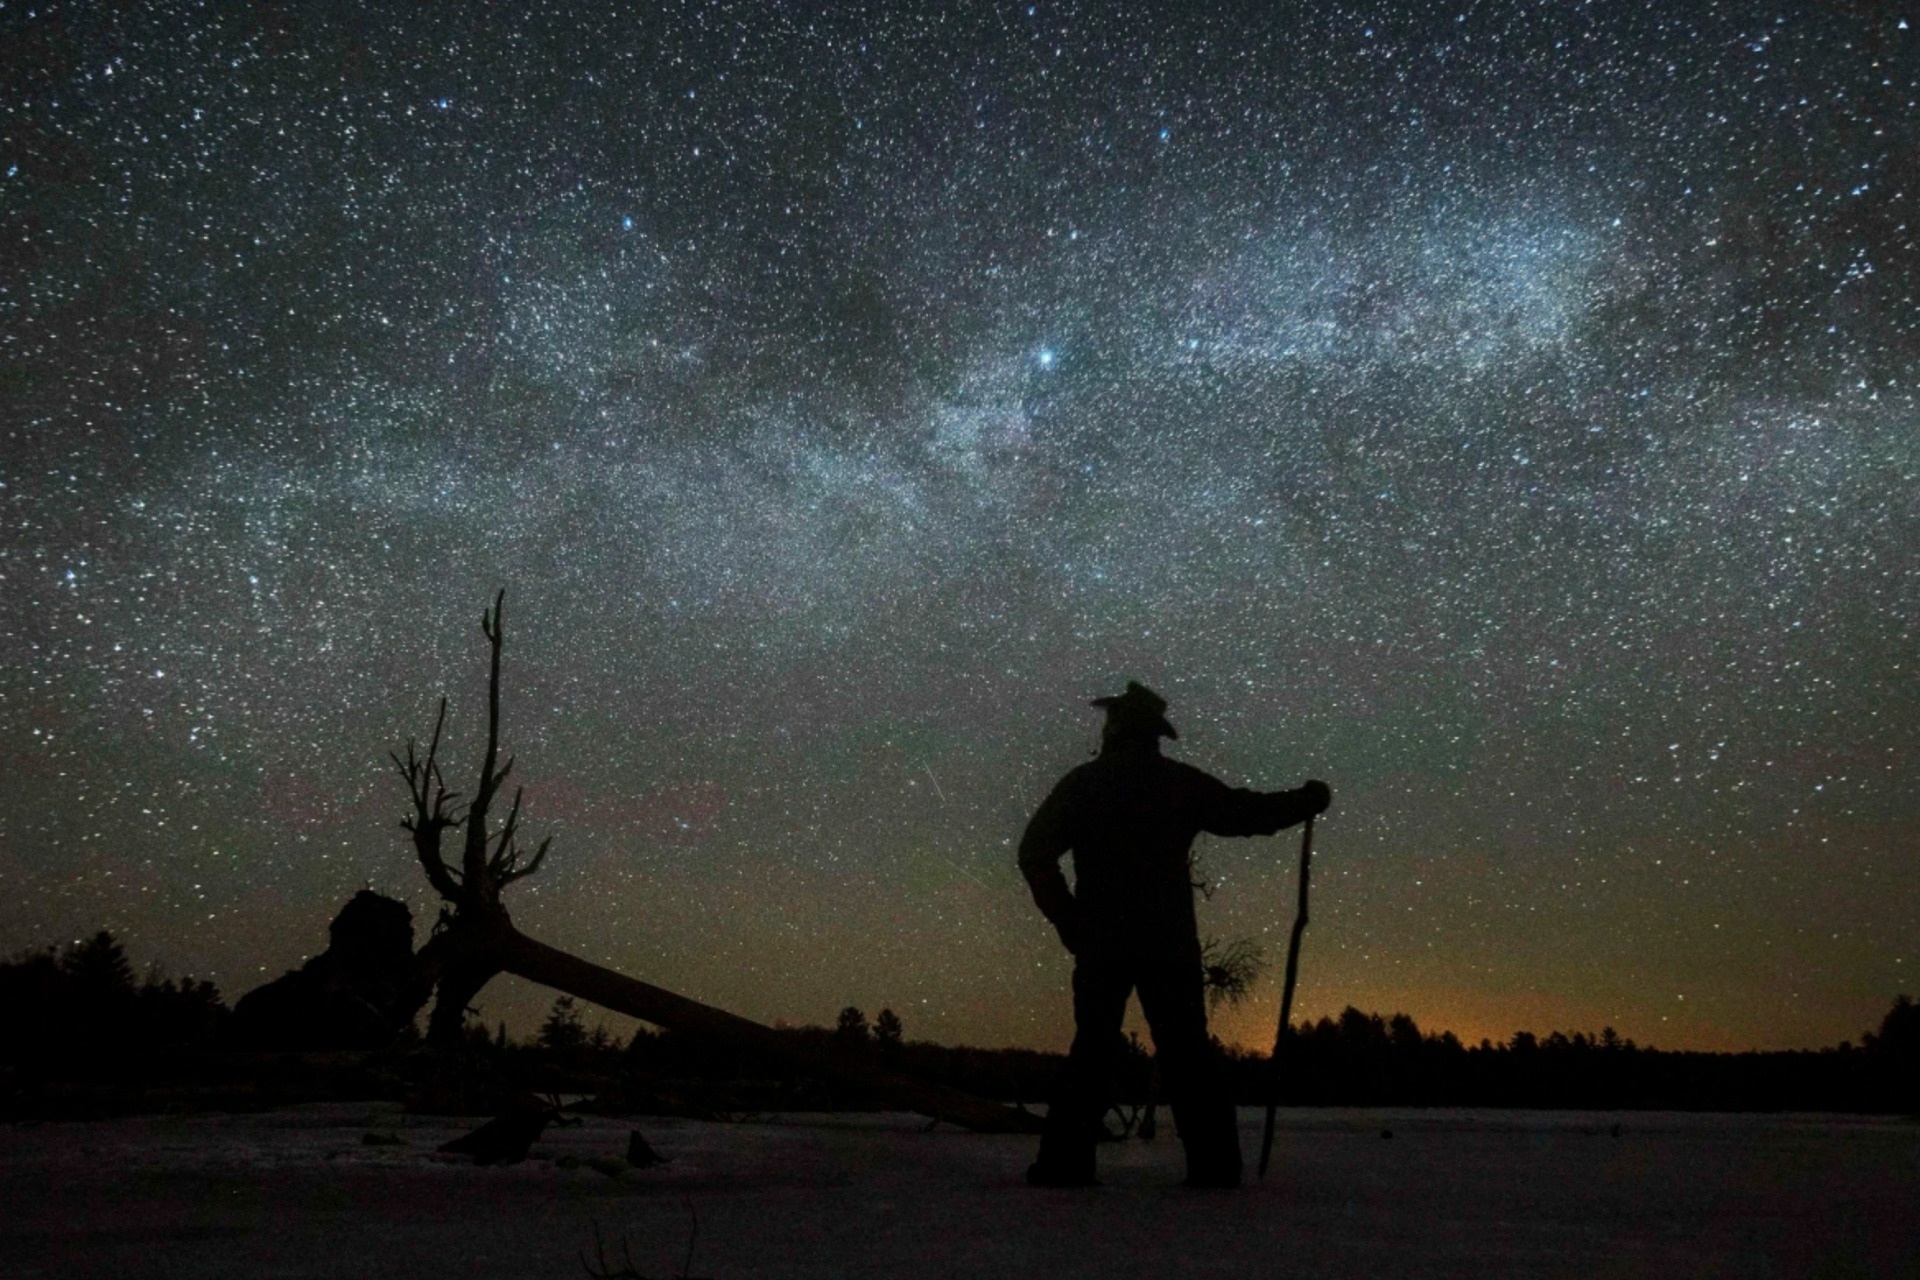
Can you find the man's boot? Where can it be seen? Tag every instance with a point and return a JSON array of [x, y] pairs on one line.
[[1064, 1161], [1213, 1147]]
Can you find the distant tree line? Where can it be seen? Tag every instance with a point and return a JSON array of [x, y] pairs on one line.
[[81, 1010], [82, 1014], [674, 1071], [1362, 1059]]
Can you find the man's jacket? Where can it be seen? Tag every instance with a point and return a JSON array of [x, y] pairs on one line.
[[1129, 817]]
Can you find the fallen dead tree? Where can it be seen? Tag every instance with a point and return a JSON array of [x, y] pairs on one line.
[[475, 939]]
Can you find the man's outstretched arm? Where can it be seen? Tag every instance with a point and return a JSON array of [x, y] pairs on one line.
[[1231, 811]]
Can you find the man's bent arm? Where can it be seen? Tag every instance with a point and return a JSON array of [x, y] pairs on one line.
[[1041, 848]]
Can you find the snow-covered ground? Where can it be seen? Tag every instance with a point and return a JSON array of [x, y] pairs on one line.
[[302, 1193]]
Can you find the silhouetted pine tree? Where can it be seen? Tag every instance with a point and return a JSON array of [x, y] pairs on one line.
[[98, 970], [1893, 1054], [888, 1031], [563, 1031], [851, 1027]]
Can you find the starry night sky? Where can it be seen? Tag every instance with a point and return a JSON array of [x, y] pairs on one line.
[[1504, 411]]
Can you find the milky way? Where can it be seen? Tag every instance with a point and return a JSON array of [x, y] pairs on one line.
[[1505, 412]]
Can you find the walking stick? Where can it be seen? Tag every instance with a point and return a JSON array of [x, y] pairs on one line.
[[1286, 997]]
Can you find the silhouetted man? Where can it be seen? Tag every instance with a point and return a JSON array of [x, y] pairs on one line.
[[1129, 817]]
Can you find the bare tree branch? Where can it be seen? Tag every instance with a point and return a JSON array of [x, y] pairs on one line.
[[474, 858], [432, 813], [505, 855], [513, 871], [505, 866], [490, 860]]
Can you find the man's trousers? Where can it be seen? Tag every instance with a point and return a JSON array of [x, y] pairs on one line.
[[1169, 981]]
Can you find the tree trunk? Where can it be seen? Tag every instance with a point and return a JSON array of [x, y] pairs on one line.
[[459, 987], [538, 962]]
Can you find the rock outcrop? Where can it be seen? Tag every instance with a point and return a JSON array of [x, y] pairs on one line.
[[357, 994]]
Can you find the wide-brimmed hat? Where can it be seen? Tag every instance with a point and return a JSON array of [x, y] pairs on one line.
[[1138, 706]]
